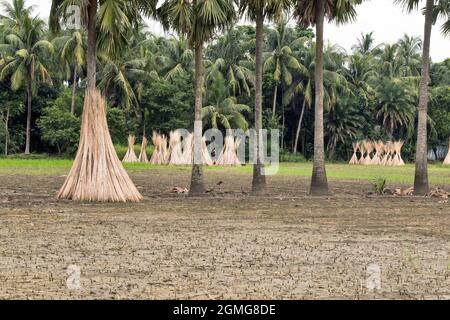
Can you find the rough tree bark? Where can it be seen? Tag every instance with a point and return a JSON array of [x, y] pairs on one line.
[[97, 173], [197, 185], [28, 128], [421, 186], [275, 97], [7, 130], [319, 183], [74, 91], [259, 178], [299, 127]]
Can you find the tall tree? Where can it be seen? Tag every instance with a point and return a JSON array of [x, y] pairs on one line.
[[314, 12], [433, 9], [72, 57], [97, 173], [366, 44], [258, 11], [224, 111], [408, 53], [197, 20], [229, 57], [281, 60], [26, 58]]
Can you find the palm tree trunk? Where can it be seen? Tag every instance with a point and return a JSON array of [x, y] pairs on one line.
[[275, 96], [7, 130], [319, 183], [421, 186], [144, 127], [299, 128], [97, 174], [197, 185], [74, 91], [28, 129], [259, 178]]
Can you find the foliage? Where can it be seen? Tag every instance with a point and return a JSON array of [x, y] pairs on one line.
[[379, 185], [59, 128]]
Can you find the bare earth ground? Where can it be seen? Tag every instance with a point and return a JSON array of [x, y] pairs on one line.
[[227, 246]]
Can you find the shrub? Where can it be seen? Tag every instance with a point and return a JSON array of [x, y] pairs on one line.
[[59, 128], [379, 185]]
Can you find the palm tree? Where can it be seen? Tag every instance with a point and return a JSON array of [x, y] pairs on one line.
[[304, 83], [230, 58], [432, 10], [13, 14], [366, 44], [314, 12], [197, 21], [342, 124], [224, 112], [258, 10], [408, 54], [26, 58], [72, 56], [359, 73], [97, 173], [389, 64], [281, 60], [176, 58], [395, 105]]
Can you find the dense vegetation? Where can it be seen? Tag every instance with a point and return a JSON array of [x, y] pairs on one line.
[[370, 92]]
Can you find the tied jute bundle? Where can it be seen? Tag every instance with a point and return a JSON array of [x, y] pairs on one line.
[[97, 173], [130, 156], [378, 153], [143, 156], [447, 159]]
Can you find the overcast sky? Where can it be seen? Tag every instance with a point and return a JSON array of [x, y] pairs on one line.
[[388, 21]]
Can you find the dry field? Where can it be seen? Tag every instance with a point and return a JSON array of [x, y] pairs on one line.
[[225, 246]]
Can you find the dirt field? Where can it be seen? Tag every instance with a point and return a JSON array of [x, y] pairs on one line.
[[226, 246]]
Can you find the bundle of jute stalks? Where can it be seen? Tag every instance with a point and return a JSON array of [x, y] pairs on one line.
[[380, 153]]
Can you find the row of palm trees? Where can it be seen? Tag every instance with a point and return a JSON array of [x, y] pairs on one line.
[[198, 21]]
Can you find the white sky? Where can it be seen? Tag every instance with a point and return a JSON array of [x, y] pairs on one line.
[[387, 20]]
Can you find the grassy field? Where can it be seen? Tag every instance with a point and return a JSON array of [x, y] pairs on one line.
[[439, 174]]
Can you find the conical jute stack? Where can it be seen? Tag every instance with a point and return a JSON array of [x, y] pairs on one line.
[[130, 156], [143, 156], [188, 150], [228, 156], [378, 153], [447, 159], [97, 173], [159, 149], [206, 156], [176, 149], [354, 159]]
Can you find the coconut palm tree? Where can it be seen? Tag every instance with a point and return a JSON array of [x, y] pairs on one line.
[[224, 112], [304, 82], [229, 57], [281, 60], [408, 53], [366, 44], [433, 9], [395, 105], [359, 73], [258, 11], [71, 50], [97, 173], [342, 124], [26, 58], [388, 62], [176, 58], [13, 14], [314, 12], [197, 21]]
